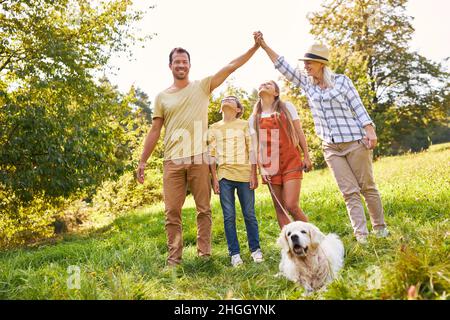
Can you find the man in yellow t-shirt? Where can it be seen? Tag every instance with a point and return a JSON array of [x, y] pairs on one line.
[[183, 110], [230, 146]]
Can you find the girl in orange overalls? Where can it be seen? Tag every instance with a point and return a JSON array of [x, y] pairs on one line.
[[277, 135]]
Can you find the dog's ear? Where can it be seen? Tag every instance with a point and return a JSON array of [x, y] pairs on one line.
[[282, 240], [315, 235]]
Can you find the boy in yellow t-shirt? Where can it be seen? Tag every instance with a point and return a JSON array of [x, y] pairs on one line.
[[230, 150]]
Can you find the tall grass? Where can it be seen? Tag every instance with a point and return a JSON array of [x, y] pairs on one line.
[[126, 259]]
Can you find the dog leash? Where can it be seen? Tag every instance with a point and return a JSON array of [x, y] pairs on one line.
[[278, 201], [275, 196]]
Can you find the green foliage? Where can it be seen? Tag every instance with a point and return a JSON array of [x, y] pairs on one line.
[[36, 215], [60, 130], [63, 39], [125, 194], [126, 259], [63, 131], [56, 148], [21, 223]]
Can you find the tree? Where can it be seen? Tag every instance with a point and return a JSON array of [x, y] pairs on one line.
[[142, 105], [370, 43], [61, 129]]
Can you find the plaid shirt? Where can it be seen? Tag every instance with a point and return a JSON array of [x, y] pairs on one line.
[[339, 114]]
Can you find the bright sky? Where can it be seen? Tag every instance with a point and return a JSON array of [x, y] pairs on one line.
[[216, 31]]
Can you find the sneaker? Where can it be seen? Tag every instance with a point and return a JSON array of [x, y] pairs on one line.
[[381, 233], [236, 260], [257, 256], [362, 239]]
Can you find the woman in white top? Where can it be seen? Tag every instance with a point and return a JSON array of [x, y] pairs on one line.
[[278, 137]]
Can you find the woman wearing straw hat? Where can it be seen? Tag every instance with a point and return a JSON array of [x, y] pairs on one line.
[[346, 130]]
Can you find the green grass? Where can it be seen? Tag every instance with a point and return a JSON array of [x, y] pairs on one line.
[[126, 259]]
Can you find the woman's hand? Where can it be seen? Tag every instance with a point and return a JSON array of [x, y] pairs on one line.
[[259, 39], [258, 36], [266, 178], [370, 140], [307, 164]]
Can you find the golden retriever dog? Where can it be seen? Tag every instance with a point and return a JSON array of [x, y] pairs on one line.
[[308, 257]]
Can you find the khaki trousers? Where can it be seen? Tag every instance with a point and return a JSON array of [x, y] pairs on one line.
[[351, 164], [177, 176]]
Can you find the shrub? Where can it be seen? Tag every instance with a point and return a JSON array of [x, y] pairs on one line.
[[125, 194], [23, 223], [20, 223]]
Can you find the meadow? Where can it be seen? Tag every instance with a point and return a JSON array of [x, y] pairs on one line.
[[125, 259]]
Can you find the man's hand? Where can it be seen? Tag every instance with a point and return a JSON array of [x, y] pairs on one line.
[[259, 39], [223, 73], [140, 172], [253, 182], [370, 140]]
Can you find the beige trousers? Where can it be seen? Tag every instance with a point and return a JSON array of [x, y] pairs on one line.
[[177, 176], [351, 164]]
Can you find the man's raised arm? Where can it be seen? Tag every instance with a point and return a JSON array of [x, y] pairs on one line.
[[223, 73]]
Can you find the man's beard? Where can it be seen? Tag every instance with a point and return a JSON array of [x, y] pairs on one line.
[[180, 77]]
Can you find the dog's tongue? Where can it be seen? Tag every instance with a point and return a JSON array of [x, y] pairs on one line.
[[299, 250]]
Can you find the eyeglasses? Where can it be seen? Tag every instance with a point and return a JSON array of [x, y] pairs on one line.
[[229, 99]]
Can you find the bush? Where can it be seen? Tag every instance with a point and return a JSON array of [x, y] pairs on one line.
[[20, 223], [23, 223], [125, 194]]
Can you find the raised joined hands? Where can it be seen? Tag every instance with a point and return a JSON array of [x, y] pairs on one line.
[[259, 39]]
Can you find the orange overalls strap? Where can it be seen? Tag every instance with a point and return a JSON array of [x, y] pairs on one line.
[[287, 158]]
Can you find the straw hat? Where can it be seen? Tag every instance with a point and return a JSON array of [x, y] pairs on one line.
[[317, 52]]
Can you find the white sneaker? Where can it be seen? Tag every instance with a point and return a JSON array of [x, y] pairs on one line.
[[362, 239], [236, 260], [257, 256], [381, 233]]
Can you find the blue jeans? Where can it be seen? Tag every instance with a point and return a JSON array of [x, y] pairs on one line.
[[247, 201]]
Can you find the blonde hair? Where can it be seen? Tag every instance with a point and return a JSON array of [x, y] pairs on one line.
[[328, 77], [279, 106]]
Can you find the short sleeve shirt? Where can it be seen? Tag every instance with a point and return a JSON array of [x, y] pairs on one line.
[[185, 116], [229, 143]]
